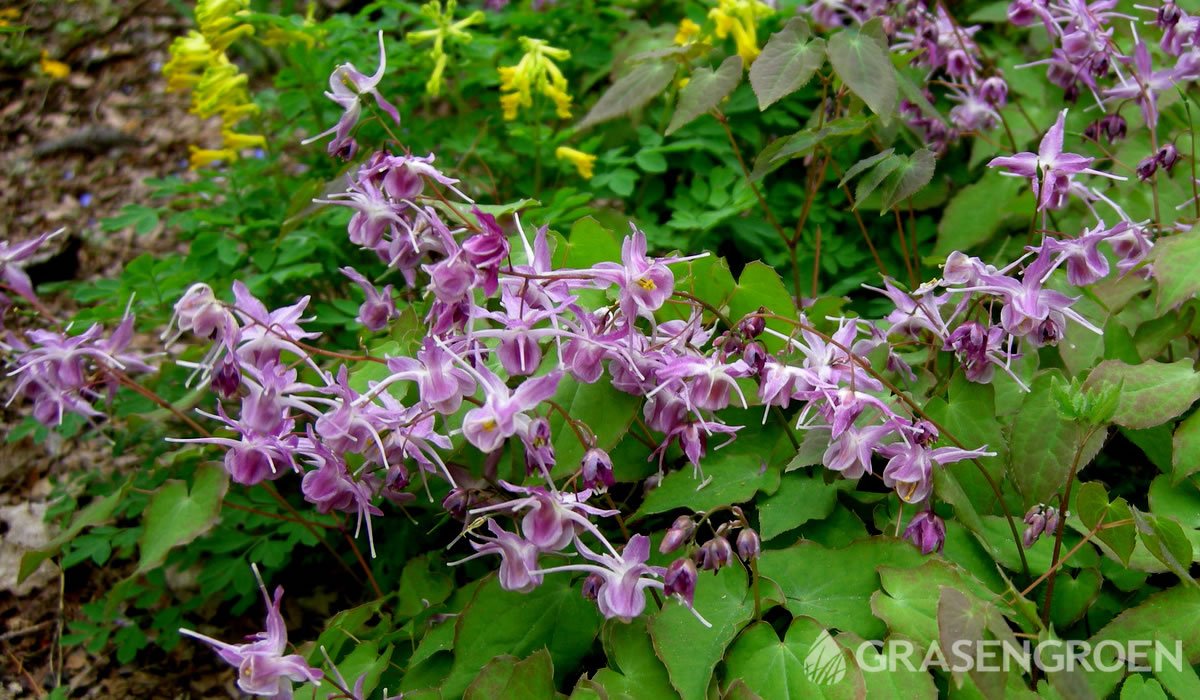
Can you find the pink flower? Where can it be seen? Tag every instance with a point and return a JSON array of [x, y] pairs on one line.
[[263, 670]]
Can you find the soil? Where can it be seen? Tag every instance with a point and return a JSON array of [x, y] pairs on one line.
[[74, 150]]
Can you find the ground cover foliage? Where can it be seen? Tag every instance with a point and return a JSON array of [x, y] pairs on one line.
[[646, 349]]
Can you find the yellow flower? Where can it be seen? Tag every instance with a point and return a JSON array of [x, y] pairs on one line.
[[190, 55], [739, 19], [221, 87], [535, 71], [445, 30], [688, 31], [9, 15], [221, 21], [235, 141], [201, 157], [583, 162], [55, 69]]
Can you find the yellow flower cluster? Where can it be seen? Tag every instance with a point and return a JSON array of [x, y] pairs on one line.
[[199, 64], [583, 162], [445, 30], [535, 71], [739, 19], [55, 69]]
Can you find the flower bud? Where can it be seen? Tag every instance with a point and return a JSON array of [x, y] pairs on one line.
[[753, 326], [457, 503], [680, 579], [591, 586], [678, 534], [714, 554], [927, 531], [748, 544], [1115, 126], [597, 469], [1052, 521], [228, 377], [994, 91], [1036, 521], [1167, 156], [1168, 15], [755, 355], [1147, 168]]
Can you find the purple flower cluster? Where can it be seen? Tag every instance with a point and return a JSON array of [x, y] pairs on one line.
[[1086, 55], [945, 49], [59, 372]]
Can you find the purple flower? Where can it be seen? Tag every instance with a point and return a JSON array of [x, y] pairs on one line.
[[677, 535], [440, 384], [596, 468], [518, 558], [714, 554], [347, 87], [910, 465], [379, 307], [622, 594], [1049, 170], [262, 668], [11, 274], [927, 531], [680, 580], [553, 518], [749, 545], [486, 250], [503, 410], [645, 284], [267, 333]]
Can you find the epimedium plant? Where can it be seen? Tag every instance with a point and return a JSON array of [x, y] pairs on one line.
[[945, 456]]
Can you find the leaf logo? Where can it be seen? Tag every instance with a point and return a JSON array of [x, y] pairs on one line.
[[824, 664]]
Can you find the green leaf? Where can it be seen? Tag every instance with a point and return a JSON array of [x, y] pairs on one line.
[[1042, 444], [863, 164], [631, 92], [804, 141], [908, 600], [497, 621], [176, 516], [886, 674], [913, 174], [786, 63], [1180, 680], [1150, 393], [1185, 448], [507, 678], [761, 286], [1139, 688], [1091, 502], [861, 59], [604, 409], [730, 475], [366, 661], [690, 650], [969, 414], [635, 670], [1172, 615], [834, 586], [1165, 539], [875, 177], [1179, 501], [799, 499], [704, 91], [95, 513], [1175, 260], [962, 228], [807, 663]]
